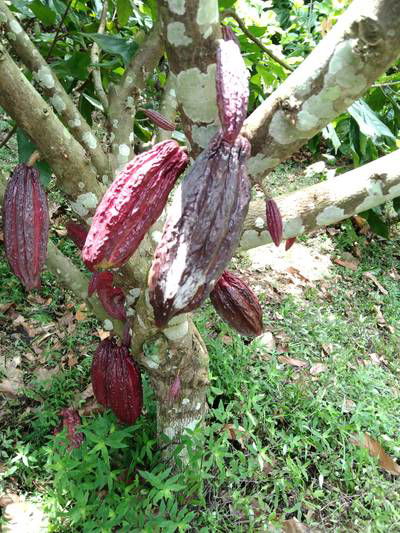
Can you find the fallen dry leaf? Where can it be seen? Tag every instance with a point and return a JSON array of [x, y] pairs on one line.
[[371, 277], [376, 450], [292, 362], [234, 433], [5, 307], [351, 265], [318, 368], [103, 334], [12, 383], [81, 313], [294, 526]]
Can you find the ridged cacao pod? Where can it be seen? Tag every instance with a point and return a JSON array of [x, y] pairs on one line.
[[237, 304], [77, 233], [70, 420], [228, 34], [132, 204], [159, 120], [289, 243], [232, 88], [26, 225], [274, 221], [116, 381], [202, 230]]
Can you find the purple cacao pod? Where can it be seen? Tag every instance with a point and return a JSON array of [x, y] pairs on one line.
[[202, 230], [77, 233], [26, 225], [237, 304], [113, 301], [159, 120], [116, 381], [132, 204], [232, 89], [228, 34], [274, 221]]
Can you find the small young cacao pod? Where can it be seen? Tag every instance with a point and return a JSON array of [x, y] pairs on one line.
[[232, 88], [132, 204], [77, 233], [112, 298], [228, 34], [116, 381], [274, 221], [237, 304], [26, 225], [99, 280], [159, 120], [70, 420], [289, 243], [202, 229]]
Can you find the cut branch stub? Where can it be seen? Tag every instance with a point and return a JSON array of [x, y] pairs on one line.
[[26, 225], [237, 304], [232, 88], [132, 204], [202, 231]]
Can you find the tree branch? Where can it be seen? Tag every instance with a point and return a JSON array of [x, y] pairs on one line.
[[65, 155], [95, 57], [231, 13], [56, 36], [58, 98], [328, 202], [122, 98], [359, 48]]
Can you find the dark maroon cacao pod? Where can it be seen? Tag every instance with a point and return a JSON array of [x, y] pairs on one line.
[[289, 243], [26, 225], [237, 304], [159, 120], [99, 280], [274, 221], [132, 204], [202, 230], [77, 233], [232, 89], [113, 301], [116, 381]]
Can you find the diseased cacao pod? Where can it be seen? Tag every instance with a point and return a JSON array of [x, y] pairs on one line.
[[116, 381], [237, 304], [132, 204], [202, 229], [77, 233], [159, 120], [289, 243], [274, 221], [26, 225], [232, 89]]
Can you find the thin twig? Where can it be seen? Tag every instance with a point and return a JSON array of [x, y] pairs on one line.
[[58, 30], [231, 13], [8, 136], [95, 56]]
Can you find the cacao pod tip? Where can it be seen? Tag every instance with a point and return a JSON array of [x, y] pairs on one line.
[[289, 243]]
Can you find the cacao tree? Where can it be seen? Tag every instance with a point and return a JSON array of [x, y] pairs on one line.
[[50, 100]]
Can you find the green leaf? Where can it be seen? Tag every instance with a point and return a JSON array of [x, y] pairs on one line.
[[368, 122], [330, 133], [124, 10], [76, 66], [114, 45], [95, 103], [376, 222], [25, 149], [43, 13], [396, 204]]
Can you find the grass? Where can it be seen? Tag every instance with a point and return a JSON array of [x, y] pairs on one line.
[[291, 455]]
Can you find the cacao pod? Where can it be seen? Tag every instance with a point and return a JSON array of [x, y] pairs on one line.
[[228, 34], [132, 204], [232, 88], [77, 233], [112, 298], [116, 381], [99, 280], [159, 120], [237, 304], [274, 221], [70, 420], [202, 230], [26, 225], [289, 243]]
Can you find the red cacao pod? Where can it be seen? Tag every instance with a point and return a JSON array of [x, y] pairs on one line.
[[132, 204], [274, 221], [99, 280], [289, 243], [237, 304], [26, 225], [113, 301], [70, 420], [202, 230], [116, 381], [159, 120], [232, 88], [77, 233]]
